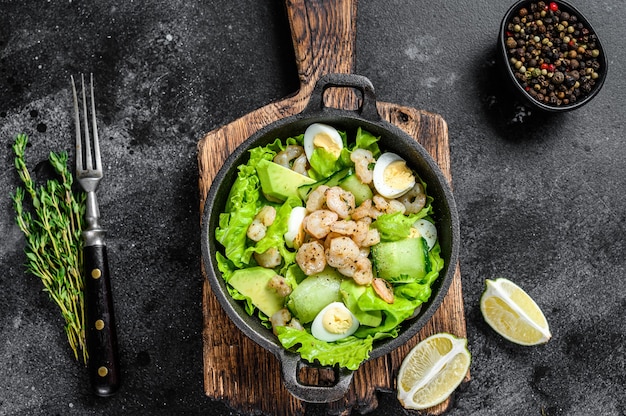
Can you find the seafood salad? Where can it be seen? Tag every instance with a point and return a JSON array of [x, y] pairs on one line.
[[330, 242]]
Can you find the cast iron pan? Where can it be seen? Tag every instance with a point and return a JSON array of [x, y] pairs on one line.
[[392, 139]]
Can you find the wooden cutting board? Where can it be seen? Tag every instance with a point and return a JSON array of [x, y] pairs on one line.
[[238, 371]]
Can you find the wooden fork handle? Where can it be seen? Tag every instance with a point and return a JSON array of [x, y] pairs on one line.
[[101, 335]]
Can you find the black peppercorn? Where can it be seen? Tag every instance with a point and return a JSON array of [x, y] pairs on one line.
[[554, 56], [569, 81], [511, 43], [558, 77]]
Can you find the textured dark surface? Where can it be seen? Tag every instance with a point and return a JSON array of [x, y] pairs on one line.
[[541, 199]]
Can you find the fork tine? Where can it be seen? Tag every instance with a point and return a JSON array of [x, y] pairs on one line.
[[88, 162], [79, 146], [96, 144]]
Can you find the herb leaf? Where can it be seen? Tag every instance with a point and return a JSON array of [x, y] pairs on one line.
[[52, 225]]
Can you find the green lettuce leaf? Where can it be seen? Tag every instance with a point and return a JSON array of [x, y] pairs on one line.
[[274, 236], [244, 201], [396, 226], [394, 313], [366, 140], [349, 352], [323, 163]]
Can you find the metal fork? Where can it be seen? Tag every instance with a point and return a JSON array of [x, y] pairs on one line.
[[100, 332]]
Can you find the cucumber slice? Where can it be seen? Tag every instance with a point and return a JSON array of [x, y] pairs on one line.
[[360, 190], [401, 261], [332, 180]]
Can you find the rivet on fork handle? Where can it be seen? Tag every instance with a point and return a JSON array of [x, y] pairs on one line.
[[100, 333]]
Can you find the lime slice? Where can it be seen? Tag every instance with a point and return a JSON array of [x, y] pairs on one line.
[[432, 370], [513, 314]]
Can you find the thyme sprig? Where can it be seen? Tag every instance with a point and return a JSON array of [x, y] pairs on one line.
[[52, 227]]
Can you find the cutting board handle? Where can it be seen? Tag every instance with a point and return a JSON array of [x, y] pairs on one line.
[[367, 102], [324, 40]]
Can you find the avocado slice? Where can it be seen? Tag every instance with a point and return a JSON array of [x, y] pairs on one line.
[[314, 293], [278, 182], [253, 284]]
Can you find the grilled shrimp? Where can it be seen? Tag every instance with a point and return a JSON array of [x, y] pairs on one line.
[[362, 227], [388, 206], [280, 318], [367, 209], [265, 217], [340, 201], [372, 237], [331, 235], [341, 252], [360, 271], [414, 200], [280, 285], [256, 230], [290, 153], [269, 259], [383, 289], [345, 227], [317, 199], [283, 318], [311, 258], [349, 270], [300, 165], [318, 223], [363, 274], [363, 159], [295, 324]]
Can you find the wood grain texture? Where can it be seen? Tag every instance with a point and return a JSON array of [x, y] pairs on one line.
[[237, 370]]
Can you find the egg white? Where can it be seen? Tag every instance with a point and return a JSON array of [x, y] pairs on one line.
[[319, 332], [382, 187], [427, 230], [319, 128], [295, 227]]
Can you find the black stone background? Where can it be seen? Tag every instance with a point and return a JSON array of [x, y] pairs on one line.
[[541, 198]]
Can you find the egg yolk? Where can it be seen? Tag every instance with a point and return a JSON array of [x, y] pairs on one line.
[[414, 233], [397, 175], [326, 142], [337, 320]]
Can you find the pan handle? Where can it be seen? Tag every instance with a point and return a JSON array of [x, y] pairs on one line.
[[291, 364], [367, 106]]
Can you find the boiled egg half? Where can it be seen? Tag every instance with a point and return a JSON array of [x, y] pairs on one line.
[[392, 177], [334, 322], [427, 230], [323, 136], [294, 237]]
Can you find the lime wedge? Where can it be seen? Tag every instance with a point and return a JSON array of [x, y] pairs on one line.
[[432, 370], [513, 314]]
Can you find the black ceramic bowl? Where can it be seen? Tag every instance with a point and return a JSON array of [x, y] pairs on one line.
[[576, 84], [392, 139]]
